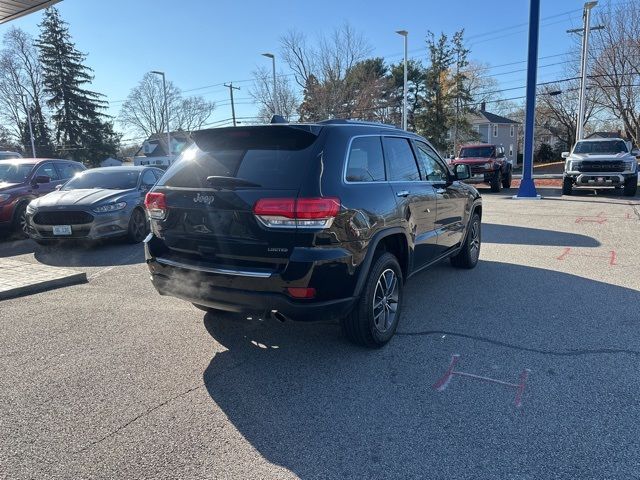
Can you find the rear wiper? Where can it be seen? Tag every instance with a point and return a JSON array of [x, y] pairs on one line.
[[230, 182]]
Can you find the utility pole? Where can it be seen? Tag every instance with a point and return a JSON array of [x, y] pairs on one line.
[[166, 112], [586, 28], [233, 108], [455, 130], [405, 34]]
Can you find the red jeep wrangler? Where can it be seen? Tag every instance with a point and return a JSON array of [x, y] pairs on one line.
[[487, 163]]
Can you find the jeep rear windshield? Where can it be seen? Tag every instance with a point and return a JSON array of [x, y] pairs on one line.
[[612, 146], [270, 157], [481, 152]]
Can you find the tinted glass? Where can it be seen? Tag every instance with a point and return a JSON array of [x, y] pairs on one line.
[[273, 157], [8, 155], [366, 162], [48, 170], [14, 173], [148, 179], [112, 180], [432, 169], [68, 170], [482, 152], [400, 161], [613, 146]]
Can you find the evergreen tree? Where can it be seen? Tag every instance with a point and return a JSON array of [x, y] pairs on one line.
[[81, 130]]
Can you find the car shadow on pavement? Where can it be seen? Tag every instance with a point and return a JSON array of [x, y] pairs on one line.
[[509, 234], [12, 246], [79, 254], [310, 402]]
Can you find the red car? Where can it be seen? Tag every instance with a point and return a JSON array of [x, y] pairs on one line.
[[23, 179], [487, 163]]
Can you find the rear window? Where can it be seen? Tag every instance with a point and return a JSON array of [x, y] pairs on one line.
[[273, 157]]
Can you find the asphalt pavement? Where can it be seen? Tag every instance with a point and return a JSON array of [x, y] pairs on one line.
[[110, 380]]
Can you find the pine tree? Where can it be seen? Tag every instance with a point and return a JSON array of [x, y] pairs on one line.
[[81, 130]]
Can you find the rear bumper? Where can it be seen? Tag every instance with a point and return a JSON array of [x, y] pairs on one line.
[[245, 291]]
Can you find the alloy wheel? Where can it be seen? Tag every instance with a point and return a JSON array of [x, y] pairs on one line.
[[385, 300], [474, 244]]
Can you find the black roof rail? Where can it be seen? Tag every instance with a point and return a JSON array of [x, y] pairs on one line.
[[342, 121]]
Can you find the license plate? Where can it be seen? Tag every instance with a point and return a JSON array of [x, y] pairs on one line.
[[62, 229]]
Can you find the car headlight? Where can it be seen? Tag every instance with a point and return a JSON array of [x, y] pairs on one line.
[[31, 209], [4, 197], [110, 207], [488, 166], [630, 165], [573, 165]]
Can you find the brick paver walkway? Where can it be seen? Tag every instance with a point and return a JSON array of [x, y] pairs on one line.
[[21, 278]]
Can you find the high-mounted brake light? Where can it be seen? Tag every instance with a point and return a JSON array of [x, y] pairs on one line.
[[156, 205], [301, 212]]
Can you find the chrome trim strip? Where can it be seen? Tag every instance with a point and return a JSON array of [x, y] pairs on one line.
[[221, 271]]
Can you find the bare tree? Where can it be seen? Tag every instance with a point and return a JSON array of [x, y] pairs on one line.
[[262, 92], [615, 55], [322, 70], [144, 109]]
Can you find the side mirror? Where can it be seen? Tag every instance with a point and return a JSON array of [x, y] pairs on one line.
[[462, 171], [565, 154], [41, 179], [635, 152], [58, 187]]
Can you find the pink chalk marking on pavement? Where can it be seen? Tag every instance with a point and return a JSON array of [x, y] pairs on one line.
[[442, 383], [612, 256], [600, 219]]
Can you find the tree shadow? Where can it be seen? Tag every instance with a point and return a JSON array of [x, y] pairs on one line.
[[509, 234], [308, 401]]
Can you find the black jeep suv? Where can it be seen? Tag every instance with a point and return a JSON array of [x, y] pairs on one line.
[[309, 222]]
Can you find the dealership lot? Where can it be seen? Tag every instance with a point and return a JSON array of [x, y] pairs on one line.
[[109, 380]]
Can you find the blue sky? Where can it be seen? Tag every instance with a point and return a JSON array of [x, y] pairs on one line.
[[206, 43]]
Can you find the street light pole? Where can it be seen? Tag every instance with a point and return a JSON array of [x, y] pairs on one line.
[[275, 87], [586, 16], [166, 112], [33, 143], [405, 34]]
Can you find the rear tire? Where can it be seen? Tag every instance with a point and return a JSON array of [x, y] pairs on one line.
[[631, 186], [376, 314], [469, 254], [567, 186], [495, 183]]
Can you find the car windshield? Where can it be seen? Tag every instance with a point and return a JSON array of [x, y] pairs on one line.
[[14, 172], [612, 146], [111, 180], [482, 152]]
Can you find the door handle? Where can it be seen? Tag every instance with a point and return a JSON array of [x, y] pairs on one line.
[[441, 190], [403, 193]]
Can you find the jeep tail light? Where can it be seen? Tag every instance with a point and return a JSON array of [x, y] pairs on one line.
[[302, 212], [301, 292], [156, 205]]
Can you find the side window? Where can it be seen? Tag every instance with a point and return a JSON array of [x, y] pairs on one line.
[[148, 179], [401, 163], [432, 168], [48, 170], [67, 170], [365, 163], [158, 174]]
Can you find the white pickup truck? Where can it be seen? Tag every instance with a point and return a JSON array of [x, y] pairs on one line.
[[600, 163]]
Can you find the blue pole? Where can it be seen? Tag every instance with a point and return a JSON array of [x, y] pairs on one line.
[[527, 187]]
